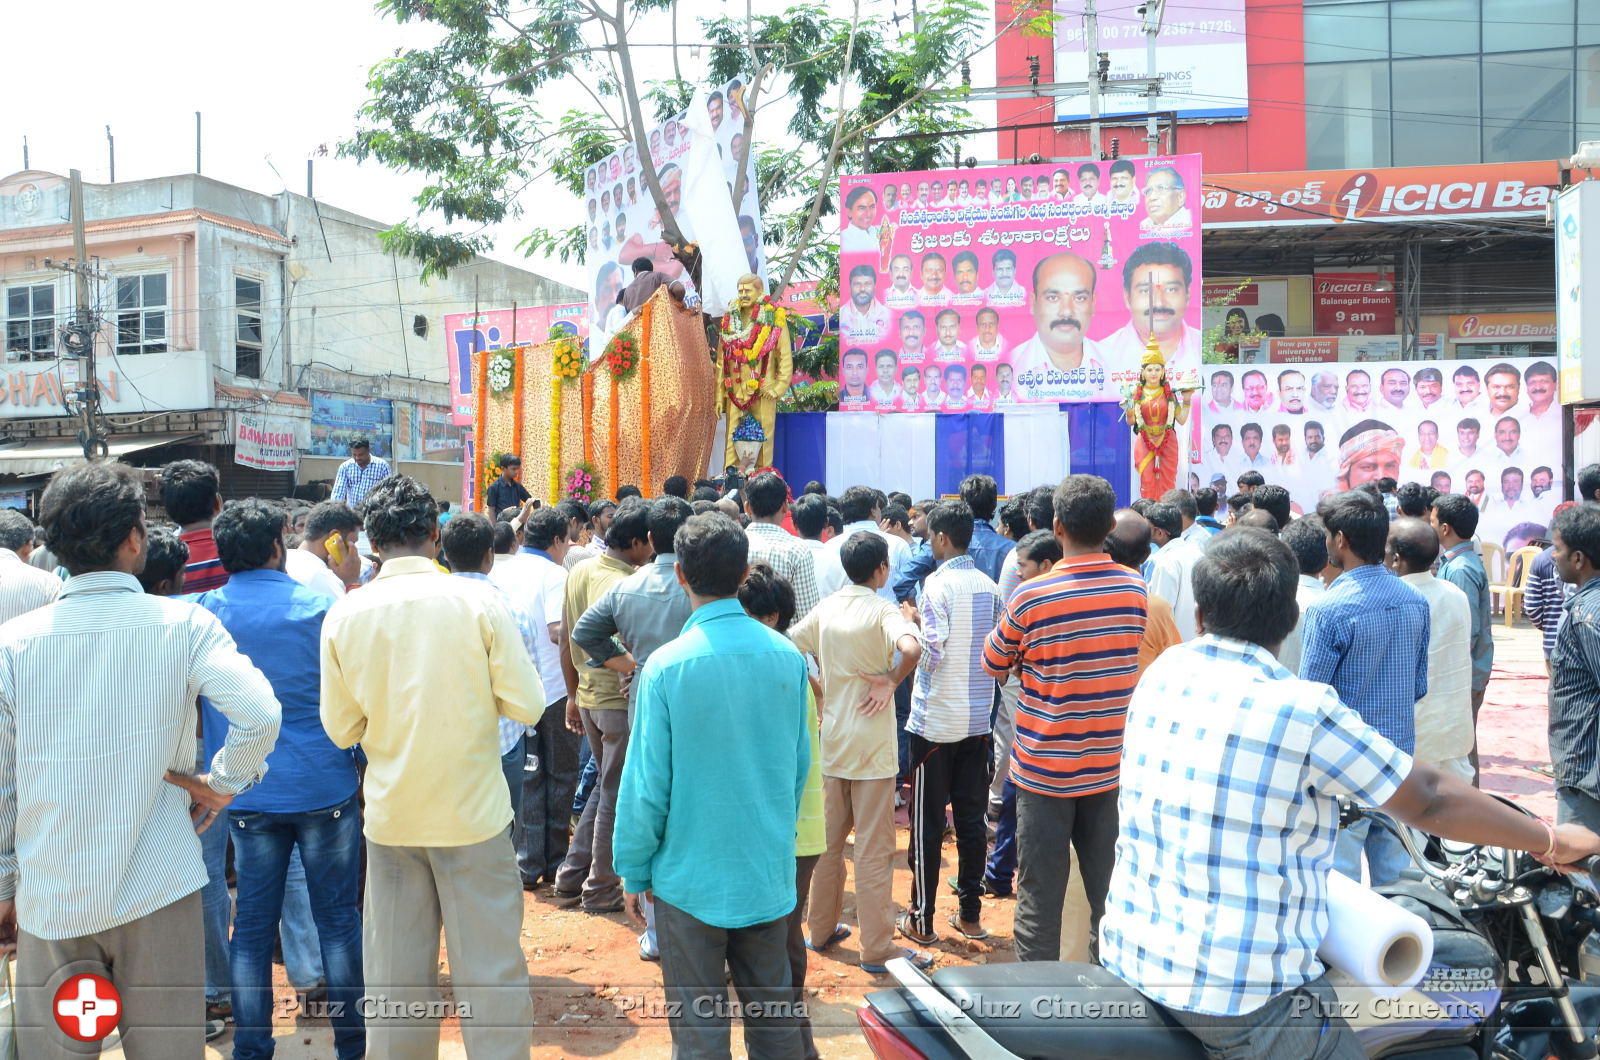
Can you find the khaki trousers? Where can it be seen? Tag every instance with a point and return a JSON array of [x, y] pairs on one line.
[[157, 964], [476, 894], [867, 806]]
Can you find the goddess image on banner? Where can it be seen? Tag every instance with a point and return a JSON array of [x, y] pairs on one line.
[[1490, 429], [963, 290]]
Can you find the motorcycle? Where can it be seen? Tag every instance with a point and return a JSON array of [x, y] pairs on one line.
[[1515, 975]]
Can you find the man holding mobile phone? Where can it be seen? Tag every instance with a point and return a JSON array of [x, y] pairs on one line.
[[507, 491], [327, 560]]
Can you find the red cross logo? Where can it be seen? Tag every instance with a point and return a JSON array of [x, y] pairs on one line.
[[87, 1007]]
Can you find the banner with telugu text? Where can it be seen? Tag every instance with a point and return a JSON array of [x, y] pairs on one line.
[[963, 290]]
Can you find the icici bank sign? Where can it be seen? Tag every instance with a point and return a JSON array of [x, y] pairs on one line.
[[1379, 195]]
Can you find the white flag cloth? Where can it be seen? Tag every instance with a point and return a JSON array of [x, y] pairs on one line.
[[706, 215]]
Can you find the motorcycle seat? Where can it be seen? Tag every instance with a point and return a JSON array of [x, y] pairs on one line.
[[1049, 1009]]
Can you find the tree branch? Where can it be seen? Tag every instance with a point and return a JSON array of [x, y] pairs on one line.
[[833, 154]]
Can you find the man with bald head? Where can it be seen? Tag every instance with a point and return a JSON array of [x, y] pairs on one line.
[[1444, 715], [1128, 544], [1061, 362]]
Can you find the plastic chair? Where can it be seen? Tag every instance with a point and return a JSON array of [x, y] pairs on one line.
[[1512, 589], [1494, 560]]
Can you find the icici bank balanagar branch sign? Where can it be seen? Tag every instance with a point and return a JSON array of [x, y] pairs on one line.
[[1366, 196]]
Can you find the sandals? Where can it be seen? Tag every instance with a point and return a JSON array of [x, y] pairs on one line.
[[919, 960], [955, 922], [904, 925], [840, 933]]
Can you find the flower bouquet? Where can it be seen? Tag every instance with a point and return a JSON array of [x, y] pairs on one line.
[[582, 483]]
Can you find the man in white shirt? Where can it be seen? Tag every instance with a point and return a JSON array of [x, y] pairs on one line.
[[1504, 386], [1005, 292], [1124, 184], [947, 346], [332, 526], [863, 320], [988, 346], [1467, 434], [1394, 390], [934, 294], [1508, 443], [1172, 565], [1309, 543], [1428, 386], [968, 292], [22, 587], [535, 577], [860, 235], [1469, 390], [900, 295], [884, 391], [1540, 383], [1155, 286], [1061, 185], [1221, 456], [1163, 202], [1060, 362], [1325, 390], [1004, 394], [1444, 723], [860, 507], [932, 389], [1089, 193], [913, 325], [810, 514], [100, 867], [1510, 499]]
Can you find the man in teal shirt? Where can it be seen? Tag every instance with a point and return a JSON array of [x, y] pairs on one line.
[[1455, 517], [709, 798]]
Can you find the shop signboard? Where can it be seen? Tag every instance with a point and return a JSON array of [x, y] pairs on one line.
[[961, 290], [338, 419], [265, 442], [1502, 327]]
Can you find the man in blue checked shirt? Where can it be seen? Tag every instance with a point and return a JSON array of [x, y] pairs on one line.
[[1226, 752], [1367, 636], [359, 474]]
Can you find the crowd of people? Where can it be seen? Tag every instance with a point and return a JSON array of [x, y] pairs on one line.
[[560, 699]]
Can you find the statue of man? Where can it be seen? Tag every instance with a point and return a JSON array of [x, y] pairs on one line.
[[755, 363]]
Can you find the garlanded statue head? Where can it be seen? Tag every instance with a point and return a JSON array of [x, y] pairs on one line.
[[749, 290], [1153, 366]]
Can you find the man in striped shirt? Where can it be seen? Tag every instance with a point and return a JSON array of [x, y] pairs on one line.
[[22, 587], [949, 726], [766, 496], [99, 866], [359, 474], [1074, 635]]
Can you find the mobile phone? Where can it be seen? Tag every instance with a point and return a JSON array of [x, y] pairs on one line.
[[335, 546]]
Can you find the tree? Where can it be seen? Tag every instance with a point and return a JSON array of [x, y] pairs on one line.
[[466, 113]]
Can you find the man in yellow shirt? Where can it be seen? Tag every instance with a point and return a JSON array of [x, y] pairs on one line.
[[419, 667], [597, 707]]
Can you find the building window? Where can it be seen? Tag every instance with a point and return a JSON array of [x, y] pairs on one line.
[[31, 322], [142, 314], [247, 327]]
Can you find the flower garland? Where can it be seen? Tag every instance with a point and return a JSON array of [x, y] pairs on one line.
[[519, 362], [614, 408], [646, 317], [582, 483], [566, 362], [502, 370], [480, 401], [749, 344], [622, 357], [588, 417]]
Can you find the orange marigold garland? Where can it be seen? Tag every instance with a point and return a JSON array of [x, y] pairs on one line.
[[615, 408], [520, 355], [645, 319]]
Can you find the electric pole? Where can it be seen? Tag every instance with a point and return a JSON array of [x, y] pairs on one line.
[[80, 336], [1091, 41]]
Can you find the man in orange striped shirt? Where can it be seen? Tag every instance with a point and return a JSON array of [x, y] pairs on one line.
[[1074, 636]]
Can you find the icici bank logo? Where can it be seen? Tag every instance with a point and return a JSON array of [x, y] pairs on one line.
[[1469, 326], [1355, 197]]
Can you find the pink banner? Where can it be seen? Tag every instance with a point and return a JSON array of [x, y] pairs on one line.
[[495, 329], [965, 289]]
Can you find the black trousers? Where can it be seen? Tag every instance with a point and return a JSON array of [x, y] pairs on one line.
[[954, 775], [696, 960], [544, 820], [803, 868], [1046, 824]]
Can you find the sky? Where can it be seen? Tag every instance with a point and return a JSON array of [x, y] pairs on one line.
[[275, 83]]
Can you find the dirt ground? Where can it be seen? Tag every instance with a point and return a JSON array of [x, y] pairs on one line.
[[594, 997]]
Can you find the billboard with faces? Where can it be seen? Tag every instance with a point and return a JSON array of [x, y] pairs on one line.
[[620, 220], [963, 290], [1488, 429]]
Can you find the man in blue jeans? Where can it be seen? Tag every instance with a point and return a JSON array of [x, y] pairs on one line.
[[307, 798]]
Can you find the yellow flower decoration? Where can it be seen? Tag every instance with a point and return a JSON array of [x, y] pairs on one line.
[[567, 359]]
